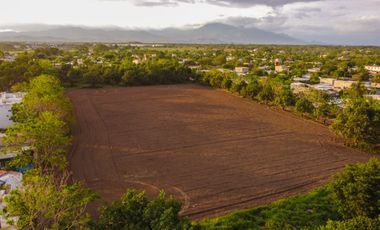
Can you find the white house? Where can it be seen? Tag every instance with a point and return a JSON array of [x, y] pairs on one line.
[[373, 68]]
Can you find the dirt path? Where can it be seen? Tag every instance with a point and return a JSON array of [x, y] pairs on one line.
[[212, 150]]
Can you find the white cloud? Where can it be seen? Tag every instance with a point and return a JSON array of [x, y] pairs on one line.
[[117, 13], [306, 19]]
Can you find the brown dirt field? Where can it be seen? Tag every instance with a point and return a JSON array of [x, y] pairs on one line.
[[214, 151]]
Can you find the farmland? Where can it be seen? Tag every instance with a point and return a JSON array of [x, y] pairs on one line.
[[212, 150]]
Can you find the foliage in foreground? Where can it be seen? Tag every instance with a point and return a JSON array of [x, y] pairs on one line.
[[43, 204], [135, 211], [357, 190], [40, 136], [357, 223]]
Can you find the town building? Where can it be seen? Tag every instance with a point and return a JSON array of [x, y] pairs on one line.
[[230, 58], [375, 97], [8, 58], [373, 68], [10, 98], [329, 81], [136, 61], [313, 70], [343, 84], [241, 70], [278, 67], [281, 68], [6, 102]]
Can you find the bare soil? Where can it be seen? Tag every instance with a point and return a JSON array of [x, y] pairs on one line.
[[212, 150]]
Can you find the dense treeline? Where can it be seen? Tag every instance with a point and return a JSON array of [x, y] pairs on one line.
[[161, 71], [358, 122], [42, 61]]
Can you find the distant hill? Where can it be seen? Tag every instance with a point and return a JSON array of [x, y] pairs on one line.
[[213, 33]]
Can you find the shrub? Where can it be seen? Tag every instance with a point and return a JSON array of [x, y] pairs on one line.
[[357, 190], [134, 211], [253, 88], [226, 83], [303, 105], [360, 222], [266, 94]]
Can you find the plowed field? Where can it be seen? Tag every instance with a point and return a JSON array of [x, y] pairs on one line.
[[212, 150]]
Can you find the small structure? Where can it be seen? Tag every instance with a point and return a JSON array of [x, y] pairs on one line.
[[5, 158], [281, 68], [241, 70], [375, 97], [9, 180], [375, 85], [343, 84], [8, 58], [278, 67], [313, 70], [329, 81], [10, 98], [373, 68], [136, 61], [325, 87], [230, 58], [6, 102]]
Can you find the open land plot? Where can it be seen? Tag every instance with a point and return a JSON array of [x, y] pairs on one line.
[[214, 151]]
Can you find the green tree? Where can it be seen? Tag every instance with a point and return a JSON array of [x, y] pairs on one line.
[[43, 93], [93, 75], [46, 136], [359, 122]]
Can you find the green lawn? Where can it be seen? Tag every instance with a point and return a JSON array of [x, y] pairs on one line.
[[306, 211]]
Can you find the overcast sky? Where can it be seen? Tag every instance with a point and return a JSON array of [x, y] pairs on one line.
[[354, 21]]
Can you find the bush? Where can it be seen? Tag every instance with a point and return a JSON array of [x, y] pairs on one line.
[[253, 88], [360, 222], [284, 96], [237, 86], [134, 211], [303, 105], [357, 190], [226, 83]]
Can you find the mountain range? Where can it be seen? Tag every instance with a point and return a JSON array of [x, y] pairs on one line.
[[212, 33]]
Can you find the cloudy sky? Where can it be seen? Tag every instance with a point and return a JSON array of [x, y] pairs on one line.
[[330, 21]]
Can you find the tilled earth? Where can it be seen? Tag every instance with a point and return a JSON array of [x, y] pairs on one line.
[[212, 150]]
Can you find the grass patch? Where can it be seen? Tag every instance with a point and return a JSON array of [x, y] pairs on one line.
[[307, 211]]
